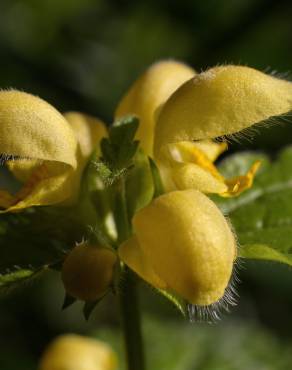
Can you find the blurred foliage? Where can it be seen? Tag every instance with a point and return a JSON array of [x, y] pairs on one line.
[[232, 346], [83, 55]]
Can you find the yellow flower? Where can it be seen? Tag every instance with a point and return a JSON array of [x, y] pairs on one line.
[[44, 150], [219, 102], [88, 271], [74, 352], [183, 244], [181, 112]]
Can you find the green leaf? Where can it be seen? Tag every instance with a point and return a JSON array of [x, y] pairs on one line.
[[120, 147], [262, 215], [158, 186], [264, 252], [178, 302], [11, 279], [33, 240], [139, 184]]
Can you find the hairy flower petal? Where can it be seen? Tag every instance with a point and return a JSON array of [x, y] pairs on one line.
[[32, 128], [188, 243], [47, 177], [132, 255], [221, 101]]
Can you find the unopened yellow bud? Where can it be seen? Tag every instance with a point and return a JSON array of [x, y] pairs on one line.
[[187, 244], [88, 271], [148, 93], [73, 352], [221, 101]]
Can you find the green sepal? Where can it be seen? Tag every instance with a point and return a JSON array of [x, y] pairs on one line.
[[95, 201], [97, 235], [107, 175], [158, 186], [120, 147], [90, 306], [139, 184], [180, 303], [68, 301]]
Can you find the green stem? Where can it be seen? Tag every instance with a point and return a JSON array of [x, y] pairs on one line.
[[129, 305], [131, 320], [121, 212]]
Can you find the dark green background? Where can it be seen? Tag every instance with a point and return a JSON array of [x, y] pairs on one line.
[[82, 55]]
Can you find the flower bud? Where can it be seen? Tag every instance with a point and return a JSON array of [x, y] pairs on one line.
[[148, 93], [186, 243], [88, 271], [221, 101], [73, 352]]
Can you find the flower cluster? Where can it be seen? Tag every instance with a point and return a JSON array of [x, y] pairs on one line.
[[180, 241]]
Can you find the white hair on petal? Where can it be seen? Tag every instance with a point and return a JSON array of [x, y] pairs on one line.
[[213, 312]]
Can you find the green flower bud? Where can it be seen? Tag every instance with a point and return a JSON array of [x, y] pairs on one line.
[[88, 271]]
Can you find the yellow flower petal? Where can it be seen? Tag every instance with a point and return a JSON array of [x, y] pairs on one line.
[[189, 152], [23, 168], [188, 243], [32, 128], [211, 148], [192, 169], [148, 93], [132, 255], [221, 101], [189, 165], [192, 176], [88, 131], [45, 186]]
